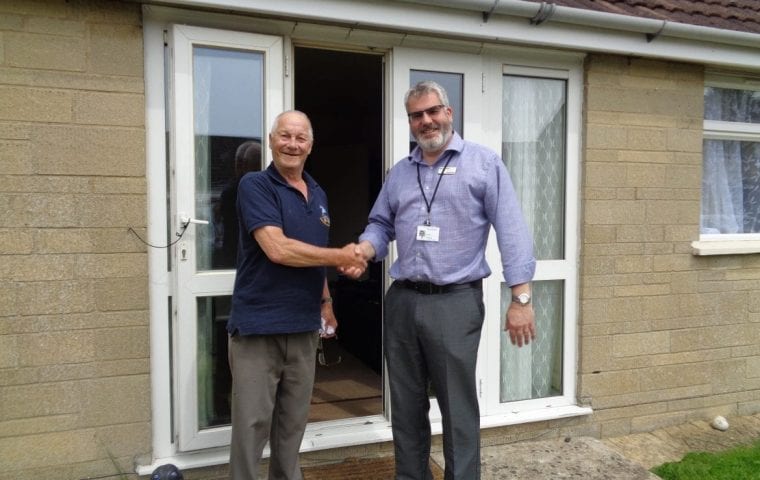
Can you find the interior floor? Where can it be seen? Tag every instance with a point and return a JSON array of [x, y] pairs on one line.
[[342, 93], [344, 386]]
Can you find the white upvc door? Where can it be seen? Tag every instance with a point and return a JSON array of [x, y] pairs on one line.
[[531, 116], [226, 86], [461, 76]]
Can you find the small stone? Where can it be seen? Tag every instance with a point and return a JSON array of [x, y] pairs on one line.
[[719, 423]]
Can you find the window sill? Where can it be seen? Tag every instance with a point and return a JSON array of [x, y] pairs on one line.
[[725, 247]]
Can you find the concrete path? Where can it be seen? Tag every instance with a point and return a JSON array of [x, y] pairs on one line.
[[581, 458], [670, 444], [620, 458]]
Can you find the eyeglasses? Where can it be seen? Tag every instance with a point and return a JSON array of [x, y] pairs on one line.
[[432, 112]]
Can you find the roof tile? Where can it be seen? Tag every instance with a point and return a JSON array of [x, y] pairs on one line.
[[738, 15]]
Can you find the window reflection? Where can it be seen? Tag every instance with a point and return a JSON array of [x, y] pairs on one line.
[[214, 378], [228, 121]]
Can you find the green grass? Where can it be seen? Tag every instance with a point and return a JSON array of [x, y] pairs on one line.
[[741, 463]]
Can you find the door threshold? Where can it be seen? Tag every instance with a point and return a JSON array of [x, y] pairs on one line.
[[346, 433], [318, 436]]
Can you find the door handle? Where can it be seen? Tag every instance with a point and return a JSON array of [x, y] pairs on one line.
[[184, 221]]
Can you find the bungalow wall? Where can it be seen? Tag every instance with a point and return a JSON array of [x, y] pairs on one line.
[[665, 336], [74, 346]]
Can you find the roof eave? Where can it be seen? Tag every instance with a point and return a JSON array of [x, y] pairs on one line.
[[517, 22]]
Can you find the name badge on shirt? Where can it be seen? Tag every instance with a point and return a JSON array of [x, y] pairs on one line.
[[427, 233], [447, 171]]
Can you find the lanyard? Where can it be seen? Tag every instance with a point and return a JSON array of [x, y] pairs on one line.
[[429, 204]]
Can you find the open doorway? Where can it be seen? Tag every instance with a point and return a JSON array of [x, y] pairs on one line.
[[342, 93]]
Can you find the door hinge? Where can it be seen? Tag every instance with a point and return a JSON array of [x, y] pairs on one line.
[[287, 66], [480, 388], [482, 83]]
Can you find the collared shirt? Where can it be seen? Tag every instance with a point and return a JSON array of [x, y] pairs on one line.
[[270, 298], [477, 195]]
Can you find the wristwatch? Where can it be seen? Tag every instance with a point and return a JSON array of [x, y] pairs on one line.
[[522, 299]]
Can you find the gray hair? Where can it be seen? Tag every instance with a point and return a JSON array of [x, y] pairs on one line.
[[425, 87], [276, 122]]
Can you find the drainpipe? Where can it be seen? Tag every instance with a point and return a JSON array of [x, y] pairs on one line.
[[538, 13]]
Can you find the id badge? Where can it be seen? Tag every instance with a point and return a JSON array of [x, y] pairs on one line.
[[427, 233]]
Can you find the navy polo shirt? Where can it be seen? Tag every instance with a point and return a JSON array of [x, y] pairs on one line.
[[270, 298]]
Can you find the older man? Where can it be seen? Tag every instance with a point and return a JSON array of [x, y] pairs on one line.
[[279, 296]]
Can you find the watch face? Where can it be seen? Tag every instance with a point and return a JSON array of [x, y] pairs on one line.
[[524, 298]]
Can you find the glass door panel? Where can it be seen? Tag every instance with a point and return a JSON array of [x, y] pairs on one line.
[[535, 370], [228, 108], [214, 379], [537, 137], [533, 149], [225, 85]]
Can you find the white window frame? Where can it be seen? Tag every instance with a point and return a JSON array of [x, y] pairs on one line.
[[567, 67], [735, 243]]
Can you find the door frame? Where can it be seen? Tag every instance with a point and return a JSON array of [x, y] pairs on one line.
[[162, 227], [191, 283]]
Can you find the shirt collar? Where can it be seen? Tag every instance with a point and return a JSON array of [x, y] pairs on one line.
[[275, 175], [455, 145]]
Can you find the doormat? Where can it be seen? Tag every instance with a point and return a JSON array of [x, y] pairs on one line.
[[381, 468]]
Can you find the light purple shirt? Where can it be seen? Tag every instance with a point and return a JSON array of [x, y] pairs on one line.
[[477, 195]]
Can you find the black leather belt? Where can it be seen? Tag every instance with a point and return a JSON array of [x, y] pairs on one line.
[[431, 288]]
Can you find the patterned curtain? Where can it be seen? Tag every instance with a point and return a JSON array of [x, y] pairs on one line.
[[533, 149], [731, 168]]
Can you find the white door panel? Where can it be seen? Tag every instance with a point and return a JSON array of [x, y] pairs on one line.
[[538, 142], [226, 85]]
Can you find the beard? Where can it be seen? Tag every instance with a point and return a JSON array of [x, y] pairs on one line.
[[435, 143]]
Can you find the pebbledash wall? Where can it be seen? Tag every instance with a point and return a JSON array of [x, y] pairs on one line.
[[665, 336]]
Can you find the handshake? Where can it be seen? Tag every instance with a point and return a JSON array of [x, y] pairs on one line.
[[354, 257]]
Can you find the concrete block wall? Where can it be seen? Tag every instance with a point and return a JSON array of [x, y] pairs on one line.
[[665, 336], [74, 357]]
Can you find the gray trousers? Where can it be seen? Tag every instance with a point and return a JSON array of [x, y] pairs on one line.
[[272, 382], [434, 338]]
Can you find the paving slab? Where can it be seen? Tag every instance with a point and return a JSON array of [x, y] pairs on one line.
[[628, 457], [572, 458], [670, 444]]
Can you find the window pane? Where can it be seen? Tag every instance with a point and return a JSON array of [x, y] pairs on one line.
[[730, 105], [214, 379], [533, 149], [228, 122], [730, 187], [534, 370]]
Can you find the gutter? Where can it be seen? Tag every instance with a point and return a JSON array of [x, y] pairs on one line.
[[510, 22], [543, 12]]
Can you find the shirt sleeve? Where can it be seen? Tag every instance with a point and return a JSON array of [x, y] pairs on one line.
[[258, 204], [512, 232], [380, 230]]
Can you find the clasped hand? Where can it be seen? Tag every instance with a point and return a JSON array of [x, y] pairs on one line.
[[357, 257]]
